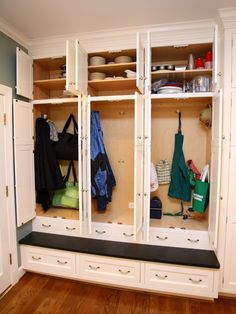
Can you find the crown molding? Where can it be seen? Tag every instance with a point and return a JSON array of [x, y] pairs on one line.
[[228, 17], [13, 33]]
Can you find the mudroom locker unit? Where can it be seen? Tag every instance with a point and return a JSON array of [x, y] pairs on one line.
[[138, 128]]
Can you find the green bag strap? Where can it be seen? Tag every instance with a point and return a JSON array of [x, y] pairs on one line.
[[67, 176], [180, 124]]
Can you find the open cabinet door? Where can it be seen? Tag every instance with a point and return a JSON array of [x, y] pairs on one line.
[[138, 166], [80, 165], [147, 163], [24, 74], [148, 63], [140, 79], [70, 66], [24, 161], [216, 56], [215, 174], [81, 69]]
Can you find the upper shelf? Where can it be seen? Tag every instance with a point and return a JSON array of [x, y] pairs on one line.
[[58, 83], [113, 69], [113, 84], [176, 75]]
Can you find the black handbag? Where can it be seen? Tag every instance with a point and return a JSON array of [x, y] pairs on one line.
[[67, 146]]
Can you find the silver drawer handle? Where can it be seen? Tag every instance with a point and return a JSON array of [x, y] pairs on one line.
[[124, 272], [161, 277], [100, 232], [36, 258], [61, 263], [46, 226], [193, 241], [94, 267], [128, 234], [161, 238], [195, 281], [139, 137], [70, 229]]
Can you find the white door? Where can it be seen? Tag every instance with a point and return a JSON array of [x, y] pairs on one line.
[[233, 60], [215, 170], [147, 163], [80, 162], [24, 74], [138, 166], [81, 69], [140, 74], [24, 161], [5, 267], [70, 66], [217, 51]]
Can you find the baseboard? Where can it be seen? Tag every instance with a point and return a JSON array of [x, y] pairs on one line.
[[21, 272]]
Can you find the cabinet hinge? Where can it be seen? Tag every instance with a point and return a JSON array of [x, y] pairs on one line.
[[7, 191], [229, 155], [226, 219], [5, 119], [10, 258]]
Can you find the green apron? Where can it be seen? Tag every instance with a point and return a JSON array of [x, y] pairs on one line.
[[180, 187]]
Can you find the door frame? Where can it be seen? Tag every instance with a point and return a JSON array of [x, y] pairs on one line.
[[6, 92]]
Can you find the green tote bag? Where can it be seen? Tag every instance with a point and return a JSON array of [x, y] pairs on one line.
[[201, 192]]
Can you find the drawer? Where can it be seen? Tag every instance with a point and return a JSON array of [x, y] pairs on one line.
[[108, 269], [178, 279], [56, 226], [113, 232], [180, 238], [47, 260]]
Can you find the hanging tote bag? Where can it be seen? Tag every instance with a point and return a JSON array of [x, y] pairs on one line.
[[67, 146], [68, 197], [201, 192], [163, 170]]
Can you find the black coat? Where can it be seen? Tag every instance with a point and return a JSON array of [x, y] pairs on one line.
[[47, 170]]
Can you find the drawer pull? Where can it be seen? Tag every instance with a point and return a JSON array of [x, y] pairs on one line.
[[62, 263], [94, 267], [193, 241], [161, 238], [195, 281], [161, 277], [100, 232], [46, 226], [36, 258], [128, 234], [70, 229], [124, 272]]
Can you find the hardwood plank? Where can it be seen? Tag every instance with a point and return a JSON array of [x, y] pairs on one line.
[[38, 294]]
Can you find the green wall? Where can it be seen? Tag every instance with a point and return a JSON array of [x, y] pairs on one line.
[[8, 77]]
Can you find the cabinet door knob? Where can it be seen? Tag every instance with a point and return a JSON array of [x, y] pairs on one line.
[[161, 277], [62, 262], [124, 272], [195, 281]]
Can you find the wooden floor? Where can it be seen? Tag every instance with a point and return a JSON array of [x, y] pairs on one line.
[[42, 294]]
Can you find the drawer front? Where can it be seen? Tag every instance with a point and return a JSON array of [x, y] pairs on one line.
[[108, 269], [180, 238], [56, 226], [178, 279], [112, 231], [47, 260]]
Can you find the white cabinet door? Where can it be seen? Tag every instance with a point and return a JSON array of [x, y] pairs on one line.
[[148, 63], [216, 56], [81, 69], [80, 165], [234, 60], [230, 255], [147, 163], [140, 79], [70, 66], [233, 119], [138, 166], [24, 161], [24, 74], [215, 175]]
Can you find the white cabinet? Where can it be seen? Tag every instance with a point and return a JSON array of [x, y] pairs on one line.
[[24, 74]]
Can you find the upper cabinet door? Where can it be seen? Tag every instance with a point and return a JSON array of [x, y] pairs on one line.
[[148, 62], [140, 79], [138, 166], [24, 74], [233, 60], [216, 57], [81, 69], [215, 175], [80, 165], [70, 66], [24, 161]]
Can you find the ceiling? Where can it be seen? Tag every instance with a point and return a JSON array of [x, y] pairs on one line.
[[45, 18]]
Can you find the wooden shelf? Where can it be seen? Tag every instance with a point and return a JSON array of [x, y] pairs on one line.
[[113, 84], [55, 101], [51, 83], [113, 69], [183, 95], [185, 74]]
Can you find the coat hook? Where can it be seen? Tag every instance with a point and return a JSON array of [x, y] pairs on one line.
[[178, 111], [121, 113]]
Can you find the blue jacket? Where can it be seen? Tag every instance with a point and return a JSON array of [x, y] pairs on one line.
[[102, 178]]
